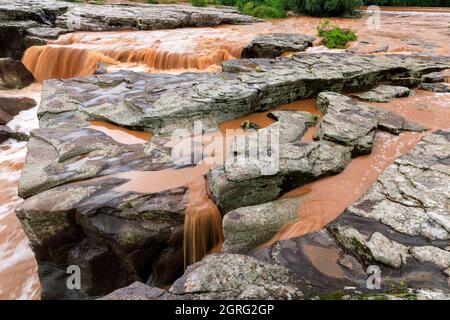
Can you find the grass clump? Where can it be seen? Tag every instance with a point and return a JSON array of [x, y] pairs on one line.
[[262, 9], [199, 3], [334, 37], [324, 8]]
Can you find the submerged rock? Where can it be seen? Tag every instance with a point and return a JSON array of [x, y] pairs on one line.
[[274, 44], [13, 74], [248, 125], [5, 132], [384, 93]]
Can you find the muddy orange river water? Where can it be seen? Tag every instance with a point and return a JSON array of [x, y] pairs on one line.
[[203, 49]]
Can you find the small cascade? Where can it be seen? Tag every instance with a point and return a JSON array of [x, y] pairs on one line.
[[202, 224]]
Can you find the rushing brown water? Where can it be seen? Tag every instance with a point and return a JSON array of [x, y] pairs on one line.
[[202, 224], [203, 49], [203, 221], [327, 198], [18, 268]]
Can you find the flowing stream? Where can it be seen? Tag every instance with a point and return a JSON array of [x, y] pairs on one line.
[[202, 50]]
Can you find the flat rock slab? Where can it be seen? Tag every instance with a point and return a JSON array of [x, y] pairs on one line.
[[44, 11], [50, 33], [91, 224], [274, 44], [163, 103], [384, 93], [353, 124], [148, 17]]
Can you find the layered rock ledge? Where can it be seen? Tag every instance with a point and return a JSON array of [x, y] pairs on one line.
[[75, 211], [274, 44], [162, 103], [398, 229], [25, 23]]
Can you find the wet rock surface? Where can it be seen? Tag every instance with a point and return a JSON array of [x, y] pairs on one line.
[[13, 74], [148, 17], [233, 276], [241, 184], [384, 93], [246, 228], [433, 77], [275, 44], [13, 37], [440, 87], [162, 103], [11, 106], [353, 124], [44, 11], [75, 211], [136, 291], [401, 223], [26, 23], [91, 224]]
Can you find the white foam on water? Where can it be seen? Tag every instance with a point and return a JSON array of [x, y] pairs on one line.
[[15, 252]]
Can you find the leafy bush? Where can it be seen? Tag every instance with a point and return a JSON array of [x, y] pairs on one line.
[[323, 8], [267, 9], [334, 36], [199, 3], [415, 3]]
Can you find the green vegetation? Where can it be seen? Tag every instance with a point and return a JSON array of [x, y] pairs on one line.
[[334, 36], [262, 9], [199, 3], [324, 8], [414, 3], [278, 8]]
